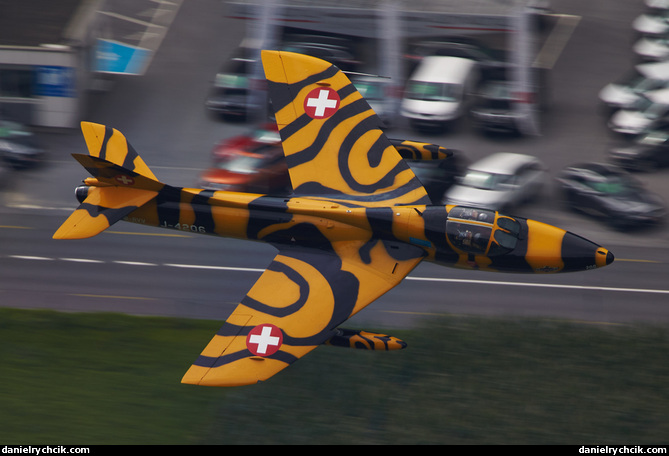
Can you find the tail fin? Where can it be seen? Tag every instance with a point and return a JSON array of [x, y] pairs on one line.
[[331, 136], [110, 145], [123, 183]]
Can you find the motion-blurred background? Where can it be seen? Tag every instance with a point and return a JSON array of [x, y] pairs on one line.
[[574, 90]]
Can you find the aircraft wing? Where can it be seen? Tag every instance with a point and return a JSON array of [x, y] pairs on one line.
[[296, 305], [331, 138]]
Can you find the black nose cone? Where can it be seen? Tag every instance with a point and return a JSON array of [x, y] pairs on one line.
[[581, 254]]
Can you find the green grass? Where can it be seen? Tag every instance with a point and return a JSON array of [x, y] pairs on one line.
[[114, 379]]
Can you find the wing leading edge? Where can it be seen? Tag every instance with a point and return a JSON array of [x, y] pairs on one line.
[[296, 305]]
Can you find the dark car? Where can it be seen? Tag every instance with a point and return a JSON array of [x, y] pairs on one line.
[[339, 51], [611, 194], [19, 145], [230, 95], [648, 151], [236, 94], [251, 163], [492, 62], [437, 176], [494, 108], [377, 92]]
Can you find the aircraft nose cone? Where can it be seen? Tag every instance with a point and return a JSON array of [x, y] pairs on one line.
[[580, 254], [604, 257]]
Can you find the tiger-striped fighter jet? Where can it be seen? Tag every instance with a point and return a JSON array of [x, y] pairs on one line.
[[358, 221]]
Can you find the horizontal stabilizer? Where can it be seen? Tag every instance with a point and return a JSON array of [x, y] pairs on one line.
[[103, 207], [110, 173]]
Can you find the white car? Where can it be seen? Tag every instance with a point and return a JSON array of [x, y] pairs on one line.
[[646, 77], [652, 24], [658, 5], [650, 109], [652, 49], [438, 91], [499, 182]]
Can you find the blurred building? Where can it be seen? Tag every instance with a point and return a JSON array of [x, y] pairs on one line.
[[52, 52], [393, 26], [44, 59]]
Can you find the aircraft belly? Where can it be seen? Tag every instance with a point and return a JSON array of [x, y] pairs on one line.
[[355, 226]]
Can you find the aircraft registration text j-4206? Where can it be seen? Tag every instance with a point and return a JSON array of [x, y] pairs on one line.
[[356, 223]]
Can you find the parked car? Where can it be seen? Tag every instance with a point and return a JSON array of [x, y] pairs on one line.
[[648, 151], [253, 162], [644, 78], [249, 172], [657, 5], [610, 194], [337, 50], [233, 94], [229, 96], [437, 176], [492, 62], [647, 112], [375, 91], [19, 145], [652, 23], [439, 92], [494, 108], [501, 182], [257, 138], [652, 48]]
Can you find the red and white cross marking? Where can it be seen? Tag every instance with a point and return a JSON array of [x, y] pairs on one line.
[[321, 103], [264, 340], [124, 180]]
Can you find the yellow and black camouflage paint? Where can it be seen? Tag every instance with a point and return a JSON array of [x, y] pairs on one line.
[[356, 225]]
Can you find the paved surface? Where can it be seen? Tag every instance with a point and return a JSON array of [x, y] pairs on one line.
[[163, 115]]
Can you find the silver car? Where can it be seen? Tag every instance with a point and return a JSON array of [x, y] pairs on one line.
[[499, 182], [376, 91], [655, 24], [652, 49], [646, 77]]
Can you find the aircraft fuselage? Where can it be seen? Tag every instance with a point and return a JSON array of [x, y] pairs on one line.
[[454, 236]]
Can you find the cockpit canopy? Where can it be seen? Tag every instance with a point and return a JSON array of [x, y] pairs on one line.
[[481, 231]]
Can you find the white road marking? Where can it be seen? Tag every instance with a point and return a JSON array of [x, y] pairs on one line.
[[214, 268], [28, 257], [135, 263], [412, 278], [81, 260], [538, 285]]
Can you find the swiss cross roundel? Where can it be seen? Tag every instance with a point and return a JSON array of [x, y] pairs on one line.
[[321, 103], [124, 180], [264, 340]]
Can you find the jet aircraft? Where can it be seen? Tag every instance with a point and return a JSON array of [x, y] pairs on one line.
[[357, 222]]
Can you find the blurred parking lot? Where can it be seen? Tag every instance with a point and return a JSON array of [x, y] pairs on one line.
[[164, 115]]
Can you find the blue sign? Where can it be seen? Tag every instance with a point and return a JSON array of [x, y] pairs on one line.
[[114, 57], [55, 81]]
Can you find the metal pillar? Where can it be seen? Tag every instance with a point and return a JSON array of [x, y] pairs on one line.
[[263, 33], [525, 91], [390, 36]]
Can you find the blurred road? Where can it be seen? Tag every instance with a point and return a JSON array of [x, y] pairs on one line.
[[137, 270]]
